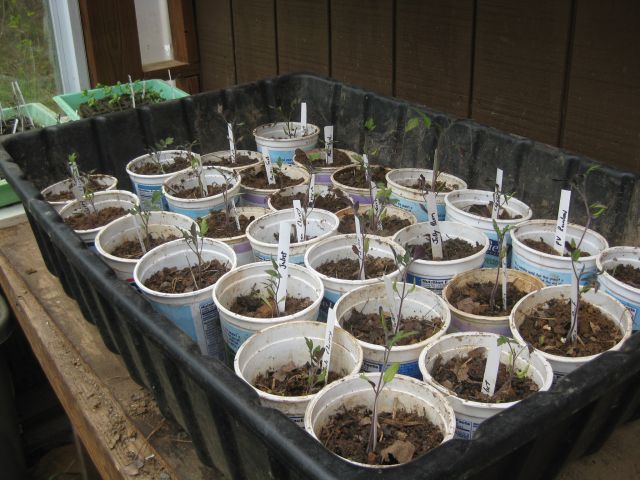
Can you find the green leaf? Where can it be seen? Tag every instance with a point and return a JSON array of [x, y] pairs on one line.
[[204, 227], [366, 379], [309, 343], [370, 124], [502, 340], [390, 372], [411, 124], [399, 336]]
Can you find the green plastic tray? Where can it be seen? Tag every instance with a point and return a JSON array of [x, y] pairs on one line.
[[7, 195], [41, 115], [70, 102]]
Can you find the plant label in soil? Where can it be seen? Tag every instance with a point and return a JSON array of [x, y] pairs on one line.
[[268, 167], [234, 212], [138, 233], [328, 144], [497, 189], [133, 95], [563, 219], [376, 206], [359, 245], [491, 370], [282, 261], [232, 143], [434, 226], [328, 341], [391, 300], [365, 163], [303, 117], [299, 220], [312, 191]]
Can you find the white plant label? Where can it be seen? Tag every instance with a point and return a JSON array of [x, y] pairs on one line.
[[234, 212], [133, 95], [282, 261], [391, 300], [377, 208], [360, 246], [496, 194], [312, 191], [504, 281], [434, 224], [138, 233], [298, 214], [491, 370], [328, 144], [365, 163], [328, 341], [77, 188], [232, 143], [268, 167], [562, 222], [303, 117]]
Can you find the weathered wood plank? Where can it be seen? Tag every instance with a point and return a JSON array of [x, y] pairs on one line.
[[520, 59], [434, 46], [217, 63]]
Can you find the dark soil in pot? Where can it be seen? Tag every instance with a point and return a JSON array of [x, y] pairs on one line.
[[241, 161], [349, 269], [149, 167], [544, 247], [485, 210], [252, 305], [367, 328], [132, 250], [405, 436], [626, 274], [89, 221], [221, 227], [107, 105], [175, 280], [92, 185], [441, 187], [474, 298], [340, 159], [547, 326], [464, 374], [195, 192], [8, 124], [354, 177], [330, 202], [292, 381], [259, 180], [452, 249], [390, 225]]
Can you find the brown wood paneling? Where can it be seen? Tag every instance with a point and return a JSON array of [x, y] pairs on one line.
[[603, 102], [434, 45], [362, 43], [215, 38], [111, 40], [189, 84], [255, 39], [303, 36], [183, 35], [520, 60]]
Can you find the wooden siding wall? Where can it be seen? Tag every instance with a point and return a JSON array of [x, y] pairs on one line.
[[564, 72]]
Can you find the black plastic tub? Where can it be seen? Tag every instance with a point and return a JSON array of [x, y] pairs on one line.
[[229, 428]]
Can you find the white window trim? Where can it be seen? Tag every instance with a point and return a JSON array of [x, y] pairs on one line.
[[69, 44]]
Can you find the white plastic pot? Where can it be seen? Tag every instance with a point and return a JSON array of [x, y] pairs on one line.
[[462, 321], [272, 136], [420, 303], [320, 190], [109, 198], [605, 302], [470, 414], [124, 229], [435, 275], [323, 173], [278, 345], [338, 247], [389, 211], [200, 207], [240, 243], [410, 199], [107, 181], [457, 201], [258, 197], [222, 156], [553, 269], [146, 185], [401, 393], [360, 195], [626, 294], [241, 281], [193, 312], [261, 233]]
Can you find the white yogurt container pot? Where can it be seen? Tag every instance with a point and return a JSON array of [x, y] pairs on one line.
[[626, 294], [258, 197], [323, 173], [106, 181], [360, 195], [222, 156], [388, 210], [281, 146]]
